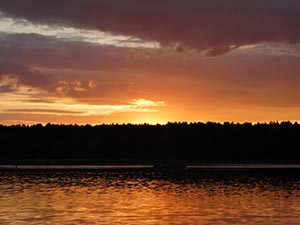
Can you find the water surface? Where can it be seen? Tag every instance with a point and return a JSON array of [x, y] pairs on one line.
[[145, 197]]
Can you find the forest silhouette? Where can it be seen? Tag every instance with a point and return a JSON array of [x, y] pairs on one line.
[[178, 141]]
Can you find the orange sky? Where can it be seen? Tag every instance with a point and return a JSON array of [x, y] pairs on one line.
[[149, 61]]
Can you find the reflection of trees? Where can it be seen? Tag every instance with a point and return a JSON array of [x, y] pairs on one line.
[[181, 141]]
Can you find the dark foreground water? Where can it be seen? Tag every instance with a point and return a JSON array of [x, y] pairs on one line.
[[143, 197]]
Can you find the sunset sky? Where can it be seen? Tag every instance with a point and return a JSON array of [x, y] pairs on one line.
[[154, 61]]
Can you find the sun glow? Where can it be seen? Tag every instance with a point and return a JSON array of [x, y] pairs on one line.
[[23, 102], [144, 102]]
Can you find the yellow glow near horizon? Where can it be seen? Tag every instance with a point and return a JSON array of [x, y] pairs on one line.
[[23, 103], [149, 119], [145, 102]]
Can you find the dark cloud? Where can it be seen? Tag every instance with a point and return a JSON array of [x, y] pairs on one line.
[[25, 76], [214, 26], [38, 50], [111, 61], [14, 75]]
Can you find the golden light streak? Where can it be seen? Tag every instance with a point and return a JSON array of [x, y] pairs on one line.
[[144, 102], [36, 101]]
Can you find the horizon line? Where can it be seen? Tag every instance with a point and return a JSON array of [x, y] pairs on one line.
[[158, 123]]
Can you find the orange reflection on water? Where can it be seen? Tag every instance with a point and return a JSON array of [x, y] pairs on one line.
[[147, 198]]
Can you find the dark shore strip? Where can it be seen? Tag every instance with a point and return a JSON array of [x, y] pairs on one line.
[[245, 166], [70, 167], [147, 166]]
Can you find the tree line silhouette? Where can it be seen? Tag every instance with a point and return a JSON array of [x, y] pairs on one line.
[[195, 142]]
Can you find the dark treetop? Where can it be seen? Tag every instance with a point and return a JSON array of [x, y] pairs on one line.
[[189, 142]]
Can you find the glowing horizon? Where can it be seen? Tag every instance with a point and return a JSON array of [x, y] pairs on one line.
[[149, 62]]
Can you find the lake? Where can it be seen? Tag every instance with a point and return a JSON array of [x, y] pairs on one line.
[[141, 196]]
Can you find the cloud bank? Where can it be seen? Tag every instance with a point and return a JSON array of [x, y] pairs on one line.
[[213, 26]]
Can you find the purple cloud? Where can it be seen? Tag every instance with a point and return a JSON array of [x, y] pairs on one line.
[[213, 26], [26, 76]]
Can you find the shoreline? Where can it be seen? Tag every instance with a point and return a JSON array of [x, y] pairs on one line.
[[147, 166]]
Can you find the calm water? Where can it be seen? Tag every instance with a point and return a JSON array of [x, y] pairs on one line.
[[143, 197]]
